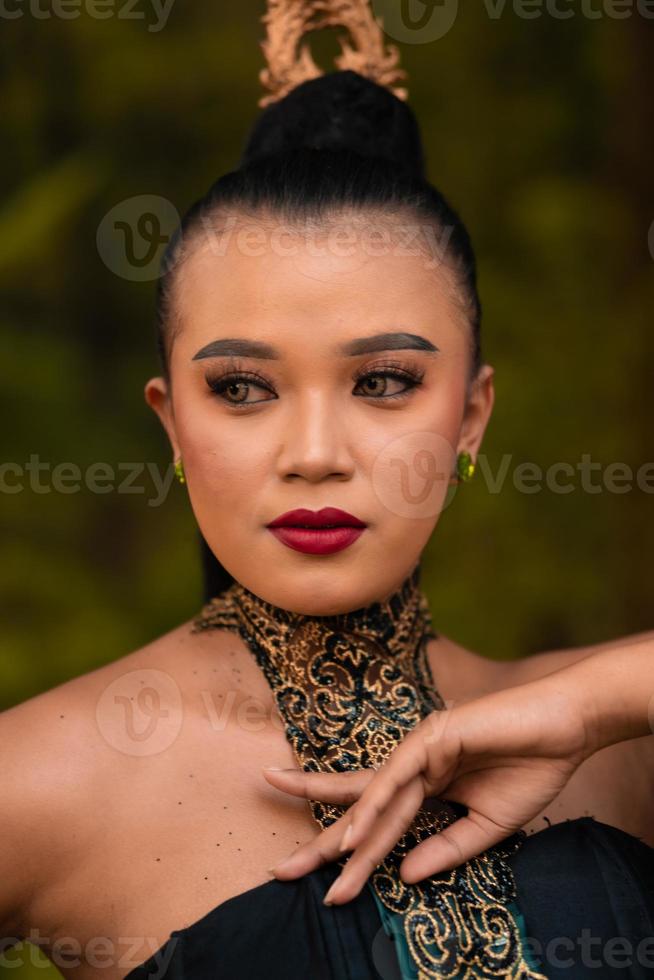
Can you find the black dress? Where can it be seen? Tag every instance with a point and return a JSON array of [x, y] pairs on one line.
[[585, 891]]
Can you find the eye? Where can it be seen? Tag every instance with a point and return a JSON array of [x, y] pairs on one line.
[[233, 388], [378, 382]]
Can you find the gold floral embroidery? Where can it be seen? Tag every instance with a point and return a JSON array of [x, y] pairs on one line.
[[349, 687]]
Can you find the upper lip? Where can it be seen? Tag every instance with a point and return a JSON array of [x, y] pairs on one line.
[[316, 518]]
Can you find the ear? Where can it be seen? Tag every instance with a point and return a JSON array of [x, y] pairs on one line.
[[478, 411], [157, 395]]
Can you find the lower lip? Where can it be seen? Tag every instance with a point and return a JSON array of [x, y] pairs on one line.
[[317, 541]]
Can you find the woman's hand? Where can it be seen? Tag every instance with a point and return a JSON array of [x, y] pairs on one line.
[[505, 755]]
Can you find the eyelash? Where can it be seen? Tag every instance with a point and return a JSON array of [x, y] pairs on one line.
[[413, 377]]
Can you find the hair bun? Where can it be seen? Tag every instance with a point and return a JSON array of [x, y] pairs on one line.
[[342, 110]]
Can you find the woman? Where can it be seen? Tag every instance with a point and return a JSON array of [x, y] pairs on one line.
[[319, 338]]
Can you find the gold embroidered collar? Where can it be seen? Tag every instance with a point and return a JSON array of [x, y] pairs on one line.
[[349, 687]]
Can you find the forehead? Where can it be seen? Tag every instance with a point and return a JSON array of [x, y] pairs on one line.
[[327, 280]]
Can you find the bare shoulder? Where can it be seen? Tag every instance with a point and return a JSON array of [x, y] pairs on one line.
[[461, 674], [59, 760], [537, 665], [56, 735]]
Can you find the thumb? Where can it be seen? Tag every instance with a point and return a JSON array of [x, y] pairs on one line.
[[466, 838]]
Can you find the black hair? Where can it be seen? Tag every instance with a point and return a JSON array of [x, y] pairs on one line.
[[335, 144]]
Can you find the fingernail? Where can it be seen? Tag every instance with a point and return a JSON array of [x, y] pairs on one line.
[[272, 768], [346, 838], [329, 897]]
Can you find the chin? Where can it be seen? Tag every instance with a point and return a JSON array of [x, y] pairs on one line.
[[319, 591]]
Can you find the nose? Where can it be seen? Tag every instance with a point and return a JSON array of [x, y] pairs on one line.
[[316, 443]]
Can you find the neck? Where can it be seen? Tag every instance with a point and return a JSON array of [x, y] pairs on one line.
[[395, 623], [373, 611], [345, 684]]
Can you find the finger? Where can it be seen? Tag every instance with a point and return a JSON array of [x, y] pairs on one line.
[[383, 837], [325, 847], [411, 758], [321, 849], [329, 787], [466, 838]]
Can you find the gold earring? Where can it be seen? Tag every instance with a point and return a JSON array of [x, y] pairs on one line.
[[179, 471], [465, 467]]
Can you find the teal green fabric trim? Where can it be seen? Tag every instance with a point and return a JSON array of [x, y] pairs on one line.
[[530, 958], [394, 929], [392, 923]]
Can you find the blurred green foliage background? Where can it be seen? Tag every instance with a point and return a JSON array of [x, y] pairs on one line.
[[540, 133]]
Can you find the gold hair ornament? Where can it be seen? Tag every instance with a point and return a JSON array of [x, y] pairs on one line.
[[290, 64]]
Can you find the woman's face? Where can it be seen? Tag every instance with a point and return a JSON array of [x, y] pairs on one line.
[[315, 417]]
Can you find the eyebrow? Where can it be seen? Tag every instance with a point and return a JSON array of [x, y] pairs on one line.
[[236, 347]]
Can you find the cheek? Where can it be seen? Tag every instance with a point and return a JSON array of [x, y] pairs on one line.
[[447, 411], [413, 468], [441, 408], [224, 464], [410, 477]]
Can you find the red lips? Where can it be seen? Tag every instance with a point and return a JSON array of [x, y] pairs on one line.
[[319, 532], [328, 516]]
